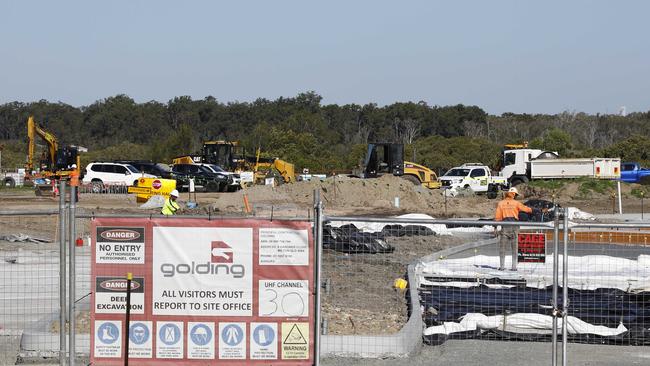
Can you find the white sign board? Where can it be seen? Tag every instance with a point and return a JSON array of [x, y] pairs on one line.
[[283, 298], [210, 274], [264, 341], [140, 340], [108, 339], [110, 295], [120, 245], [169, 343], [232, 341], [281, 247], [247, 177], [200, 340]]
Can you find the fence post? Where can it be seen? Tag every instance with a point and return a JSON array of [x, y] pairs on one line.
[[72, 297], [565, 287], [62, 277], [318, 231], [556, 234]]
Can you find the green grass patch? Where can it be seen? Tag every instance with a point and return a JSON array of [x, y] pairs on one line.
[[600, 186], [640, 192]]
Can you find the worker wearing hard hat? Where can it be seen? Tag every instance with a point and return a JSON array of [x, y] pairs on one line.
[[508, 210], [74, 180], [170, 206]]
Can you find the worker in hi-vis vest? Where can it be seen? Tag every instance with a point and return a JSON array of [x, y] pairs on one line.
[[170, 207], [508, 210]]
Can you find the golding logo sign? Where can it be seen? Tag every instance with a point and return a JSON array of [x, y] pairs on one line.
[[120, 234], [221, 252], [156, 184]]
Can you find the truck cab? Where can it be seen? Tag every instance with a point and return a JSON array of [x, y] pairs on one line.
[[515, 167], [633, 173]]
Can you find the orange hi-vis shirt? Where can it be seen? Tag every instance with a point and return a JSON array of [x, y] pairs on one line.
[[74, 178], [509, 208]]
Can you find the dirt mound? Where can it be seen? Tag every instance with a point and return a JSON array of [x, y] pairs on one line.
[[344, 194]]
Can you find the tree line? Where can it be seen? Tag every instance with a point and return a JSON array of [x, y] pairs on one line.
[[321, 137]]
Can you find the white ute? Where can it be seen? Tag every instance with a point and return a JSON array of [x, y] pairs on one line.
[[476, 177]]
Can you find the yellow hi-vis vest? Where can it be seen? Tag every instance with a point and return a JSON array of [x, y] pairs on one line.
[[170, 207]]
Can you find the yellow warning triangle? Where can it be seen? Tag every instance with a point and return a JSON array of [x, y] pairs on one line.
[[295, 336]]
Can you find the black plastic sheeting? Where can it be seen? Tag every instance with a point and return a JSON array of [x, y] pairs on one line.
[[349, 239], [607, 307]]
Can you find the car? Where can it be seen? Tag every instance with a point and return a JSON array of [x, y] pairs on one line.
[[236, 179], [204, 178], [158, 169], [101, 173], [474, 176]]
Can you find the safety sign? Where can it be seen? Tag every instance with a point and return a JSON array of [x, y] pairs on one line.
[[200, 341], [203, 291], [210, 275], [140, 340], [120, 245], [110, 295], [169, 343], [280, 246], [283, 298], [108, 339], [295, 341], [531, 247], [263, 343], [232, 341]]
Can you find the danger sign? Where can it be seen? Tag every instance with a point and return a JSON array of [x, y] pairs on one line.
[[532, 248], [203, 291]]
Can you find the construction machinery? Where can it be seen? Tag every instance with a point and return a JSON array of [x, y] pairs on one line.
[[232, 157], [386, 157], [57, 161]]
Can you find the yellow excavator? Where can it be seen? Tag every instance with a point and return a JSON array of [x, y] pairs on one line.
[[56, 162], [389, 158], [232, 157]]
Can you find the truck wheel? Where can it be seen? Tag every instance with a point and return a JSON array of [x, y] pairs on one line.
[[212, 187], [9, 182], [518, 181], [412, 179], [493, 191]]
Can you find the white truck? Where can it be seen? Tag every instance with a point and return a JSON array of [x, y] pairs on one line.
[[523, 165], [473, 176], [13, 179]]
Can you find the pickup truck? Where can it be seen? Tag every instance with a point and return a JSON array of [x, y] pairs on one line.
[[633, 173], [476, 177]]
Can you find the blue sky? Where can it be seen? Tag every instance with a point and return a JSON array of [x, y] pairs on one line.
[[518, 56]]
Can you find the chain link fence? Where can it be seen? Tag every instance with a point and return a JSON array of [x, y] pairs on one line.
[[388, 285]]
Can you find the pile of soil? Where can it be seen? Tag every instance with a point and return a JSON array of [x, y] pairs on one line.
[[370, 196]]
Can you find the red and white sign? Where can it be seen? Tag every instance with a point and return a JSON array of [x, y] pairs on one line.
[[156, 184], [213, 290], [531, 248]]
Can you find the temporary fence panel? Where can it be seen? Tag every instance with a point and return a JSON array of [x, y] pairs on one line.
[[29, 282], [609, 281], [233, 290]]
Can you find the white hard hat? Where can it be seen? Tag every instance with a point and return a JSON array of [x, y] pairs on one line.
[[174, 193], [513, 190], [74, 166]]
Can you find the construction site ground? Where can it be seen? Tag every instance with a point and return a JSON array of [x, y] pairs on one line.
[[369, 300]]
